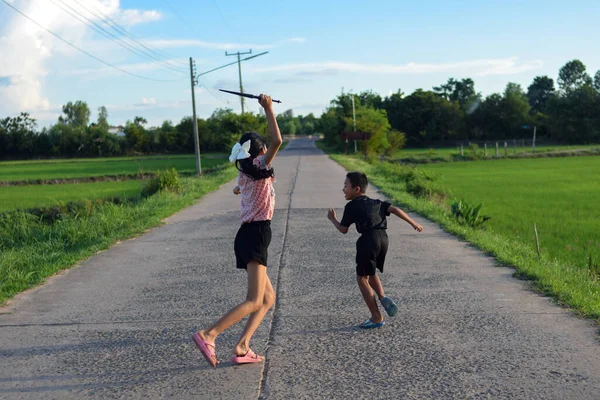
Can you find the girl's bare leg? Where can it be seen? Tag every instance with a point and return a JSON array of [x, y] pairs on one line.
[[257, 276], [243, 345]]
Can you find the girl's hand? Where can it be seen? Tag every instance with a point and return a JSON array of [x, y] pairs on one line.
[[331, 215], [418, 227], [265, 101], [236, 190]]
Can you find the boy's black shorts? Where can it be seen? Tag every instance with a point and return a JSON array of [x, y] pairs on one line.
[[371, 249], [252, 243]]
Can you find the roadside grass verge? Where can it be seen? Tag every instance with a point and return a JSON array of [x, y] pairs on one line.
[[32, 250]]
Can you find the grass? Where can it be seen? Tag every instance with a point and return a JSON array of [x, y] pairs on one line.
[[96, 159], [86, 168], [446, 154], [569, 284], [31, 251], [561, 195], [33, 196]]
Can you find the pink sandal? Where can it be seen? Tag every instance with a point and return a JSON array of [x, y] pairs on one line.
[[207, 348], [250, 357]]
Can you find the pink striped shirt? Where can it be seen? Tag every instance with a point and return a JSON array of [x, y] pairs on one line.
[[258, 197]]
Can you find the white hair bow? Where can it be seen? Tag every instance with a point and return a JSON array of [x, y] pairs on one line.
[[240, 151]]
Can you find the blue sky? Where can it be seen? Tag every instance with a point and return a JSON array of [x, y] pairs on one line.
[[316, 48]]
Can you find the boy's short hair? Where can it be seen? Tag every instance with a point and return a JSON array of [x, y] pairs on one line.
[[358, 179]]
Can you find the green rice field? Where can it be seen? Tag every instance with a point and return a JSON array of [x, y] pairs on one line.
[[560, 195], [33, 196], [86, 168]]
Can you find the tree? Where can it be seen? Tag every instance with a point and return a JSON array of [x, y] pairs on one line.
[[540, 92], [575, 117], [515, 112], [573, 76], [425, 117], [368, 98], [488, 117], [17, 136], [103, 118], [140, 121], [393, 106], [376, 123], [135, 135], [168, 136], [76, 115], [597, 81], [462, 91]]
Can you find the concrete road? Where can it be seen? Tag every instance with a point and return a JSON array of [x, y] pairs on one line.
[[119, 325]]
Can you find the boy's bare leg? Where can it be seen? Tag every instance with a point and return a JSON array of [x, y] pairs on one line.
[[375, 283], [367, 293], [243, 345]]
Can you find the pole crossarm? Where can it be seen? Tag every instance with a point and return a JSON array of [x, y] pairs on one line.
[[235, 62]]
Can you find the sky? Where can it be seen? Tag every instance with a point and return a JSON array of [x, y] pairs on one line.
[[137, 53]]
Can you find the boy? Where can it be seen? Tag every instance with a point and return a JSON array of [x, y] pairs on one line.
[[371, 247]]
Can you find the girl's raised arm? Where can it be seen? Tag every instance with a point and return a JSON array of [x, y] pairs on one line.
[[266, 102]]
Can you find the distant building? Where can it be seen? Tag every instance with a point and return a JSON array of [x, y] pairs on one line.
[[117, 130]]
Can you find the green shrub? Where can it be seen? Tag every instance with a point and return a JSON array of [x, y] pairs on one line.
[[167, 180], [468, 214], [474, 148], [421, 183]]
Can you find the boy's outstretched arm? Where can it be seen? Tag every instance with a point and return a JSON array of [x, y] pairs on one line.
[[266, 102], [402, 215], [333, 218]]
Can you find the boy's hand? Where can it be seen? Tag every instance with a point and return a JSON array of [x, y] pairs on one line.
[[236, 190], [417, 227], [331, 215], [265, 101]]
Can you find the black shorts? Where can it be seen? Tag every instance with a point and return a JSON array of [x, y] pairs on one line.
[[252, 243], [371, 249]]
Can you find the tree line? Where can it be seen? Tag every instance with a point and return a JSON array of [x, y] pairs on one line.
[[453, 111]]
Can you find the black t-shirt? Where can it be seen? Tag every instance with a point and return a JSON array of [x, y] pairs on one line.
[[366, 213]]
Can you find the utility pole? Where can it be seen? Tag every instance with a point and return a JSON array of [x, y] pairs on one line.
[[238, 54], [195, 121], [354, 119], [194, 82]]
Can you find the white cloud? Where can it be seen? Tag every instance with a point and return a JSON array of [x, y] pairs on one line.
[[505, 66], [167, 43], [26, 48], [149, 100], [133, 17]]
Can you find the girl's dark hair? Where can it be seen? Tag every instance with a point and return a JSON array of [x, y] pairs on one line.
[[247, 166]]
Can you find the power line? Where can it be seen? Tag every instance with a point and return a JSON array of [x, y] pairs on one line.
[[215, 95], [83, 51], [119, 29], [176, 13], [225, 21], [105, 33]]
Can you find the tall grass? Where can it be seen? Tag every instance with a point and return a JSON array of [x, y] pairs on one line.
[[31, 250]]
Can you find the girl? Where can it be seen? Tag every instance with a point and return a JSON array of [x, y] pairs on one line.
[[255, 185]]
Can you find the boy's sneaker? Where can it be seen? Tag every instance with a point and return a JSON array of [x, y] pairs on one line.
[[391, 308]]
